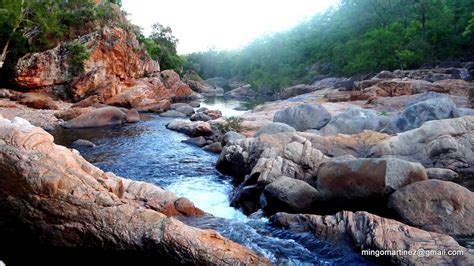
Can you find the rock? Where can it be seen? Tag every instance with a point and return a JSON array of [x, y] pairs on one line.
[[107, 116], [363, 84], [241, 108], [289, 195], [175, 106], [198, 85], [354, 120], [51, 195], [145, 92], [297, 90], [471, 95], [441, 174], [213, 114], [436, 206], [230, 137], [115, 54], [444, 143], [465, 111], [416, 114], [218, 82], [274, 128], [83, 143], [160, 107], [303, 117], [6, 93], [385, 75], [192, 128], [89, 101], [202, 109], [173, 82], [195, 104], [200, 117], [328, 83], [215, 147], [340, 96], [306, 149], [72, 113], [132, 116], [246, 198], [398, 87], [433, 74], [369, 232], [38, 101], [198, 141], [454, 86], [365, 179], [172, 113], [243, 92], [187, 110]]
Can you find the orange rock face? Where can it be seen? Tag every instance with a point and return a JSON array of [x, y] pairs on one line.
[[118, 70]]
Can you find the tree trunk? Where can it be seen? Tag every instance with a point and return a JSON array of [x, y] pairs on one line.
[[3, 56]]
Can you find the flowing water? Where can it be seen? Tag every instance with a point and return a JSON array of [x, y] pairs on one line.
[[149, 152]]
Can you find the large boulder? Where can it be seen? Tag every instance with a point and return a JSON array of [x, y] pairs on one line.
[[200, 117], [303, 117], [377, 235], [187, 110], [106, 116], [289, 195], [192, 128], [447, 143], [365, 179], [416, 114], [51, 195], [355, 120], [274, 128], [132, 116], [437, 206], [297, 90], [115, 54], [172, 113]]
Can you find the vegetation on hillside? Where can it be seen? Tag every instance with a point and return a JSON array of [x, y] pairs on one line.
[[161, 46], [357, 36]]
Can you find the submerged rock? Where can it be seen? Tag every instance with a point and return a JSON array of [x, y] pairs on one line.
[[69, 203], [436, 206], [83, 143], [192, 128], [132, 116], [365, 231]]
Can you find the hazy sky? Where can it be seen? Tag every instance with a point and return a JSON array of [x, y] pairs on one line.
[[222, 24]]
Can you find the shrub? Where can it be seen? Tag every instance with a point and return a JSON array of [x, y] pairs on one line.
[[79, 54], [231, 123]]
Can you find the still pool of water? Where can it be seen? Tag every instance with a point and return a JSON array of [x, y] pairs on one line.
[[149, 152]]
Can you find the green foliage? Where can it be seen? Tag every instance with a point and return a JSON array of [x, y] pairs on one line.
[[161, 46], [384, 113], [231, 123], [78, 54], [356, 36]]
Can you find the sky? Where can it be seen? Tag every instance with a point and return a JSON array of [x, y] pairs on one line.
[[221, 24]]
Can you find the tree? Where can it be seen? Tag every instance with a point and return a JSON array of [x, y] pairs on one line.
[[12, 16], [161, 45]]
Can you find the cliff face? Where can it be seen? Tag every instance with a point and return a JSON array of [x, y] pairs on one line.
[[117, 63]]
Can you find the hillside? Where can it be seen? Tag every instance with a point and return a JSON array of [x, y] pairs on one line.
[[354, 37]]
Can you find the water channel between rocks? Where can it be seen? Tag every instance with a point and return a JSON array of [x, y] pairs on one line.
[[147, 151]]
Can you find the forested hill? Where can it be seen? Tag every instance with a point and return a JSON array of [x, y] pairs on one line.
[[356, 36]]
